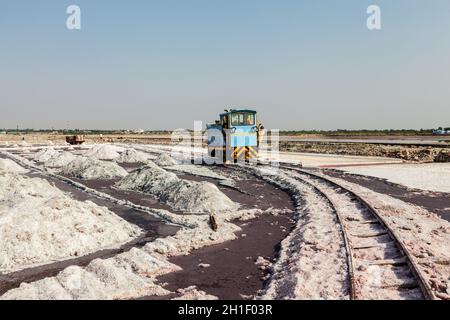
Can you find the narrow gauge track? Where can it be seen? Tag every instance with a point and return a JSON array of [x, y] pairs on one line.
[[380, 267]]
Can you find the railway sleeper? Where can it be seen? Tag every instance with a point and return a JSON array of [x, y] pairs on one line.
[[407, 284], [370, 222], [370, 235], [392, 262], [373, 246]]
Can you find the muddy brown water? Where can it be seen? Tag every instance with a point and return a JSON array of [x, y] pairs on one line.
[[436, 202]]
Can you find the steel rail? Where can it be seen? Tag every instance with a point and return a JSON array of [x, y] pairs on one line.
[[423, 284]]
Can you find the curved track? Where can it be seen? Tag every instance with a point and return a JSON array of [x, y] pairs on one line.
[[379, 265]]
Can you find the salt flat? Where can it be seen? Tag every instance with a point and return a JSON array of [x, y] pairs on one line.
[[426, 176], [329, 160]]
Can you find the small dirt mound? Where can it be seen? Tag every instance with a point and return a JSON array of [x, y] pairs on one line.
[[89, 168], [189, 196], [9, 166]]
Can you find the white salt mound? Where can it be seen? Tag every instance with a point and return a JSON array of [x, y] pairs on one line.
[[104, 152], [132, 156], [9, 166], [125, 276], [189, 196], [60, 160], [23, 143], [165, 160], [39, 223], [201, 171], [89, 168], [45, 154]]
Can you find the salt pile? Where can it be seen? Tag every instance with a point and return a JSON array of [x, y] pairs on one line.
[[189, 196], [88, 168], [23, 143], [60, 160], [132, 156], [165, 160], [104, 152], [9, 166], [39, 223], [201, 171], [45, 154], [128, 275]]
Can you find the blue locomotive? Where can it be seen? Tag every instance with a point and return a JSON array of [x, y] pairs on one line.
[[235, 136]]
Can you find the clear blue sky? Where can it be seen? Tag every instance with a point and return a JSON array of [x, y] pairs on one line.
[[163, 64]]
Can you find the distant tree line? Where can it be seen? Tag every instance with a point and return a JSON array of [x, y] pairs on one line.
[[79, 131], [338, 132], [346, 132]]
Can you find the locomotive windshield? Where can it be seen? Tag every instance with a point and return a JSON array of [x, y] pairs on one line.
[[243, 119]]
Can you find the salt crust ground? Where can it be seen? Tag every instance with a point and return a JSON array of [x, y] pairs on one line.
[[189, 196], [424, 233], [312, 259], [91, 168], [104, 152], [130, 155], [39, 223], [431, 176], [9, 166], [426, 236], [132, 274], [103, 279], [60, 159], [442, 285]]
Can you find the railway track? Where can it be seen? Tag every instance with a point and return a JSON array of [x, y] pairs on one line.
[[379, 265]]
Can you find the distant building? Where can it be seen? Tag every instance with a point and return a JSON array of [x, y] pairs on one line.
[[441, 131]]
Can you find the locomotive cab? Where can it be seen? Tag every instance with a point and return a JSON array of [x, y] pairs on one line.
[[235, 136]]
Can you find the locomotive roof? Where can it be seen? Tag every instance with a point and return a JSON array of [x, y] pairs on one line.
[[238, 110]]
